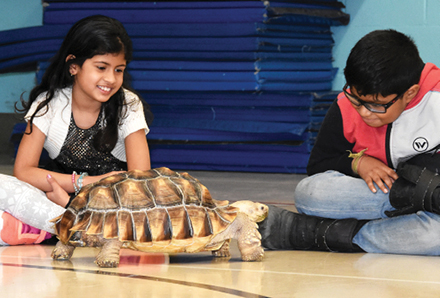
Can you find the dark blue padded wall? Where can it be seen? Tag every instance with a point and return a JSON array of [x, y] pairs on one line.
[[234, 85]]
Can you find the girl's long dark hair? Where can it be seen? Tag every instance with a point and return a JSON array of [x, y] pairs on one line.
[[94, 35]]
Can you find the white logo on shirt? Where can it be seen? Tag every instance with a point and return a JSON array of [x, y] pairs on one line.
[[420, 144]]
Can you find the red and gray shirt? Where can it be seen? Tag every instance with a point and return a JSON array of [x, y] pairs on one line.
[[417, 130]]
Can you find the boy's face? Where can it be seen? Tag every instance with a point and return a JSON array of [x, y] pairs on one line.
[[377, 119]]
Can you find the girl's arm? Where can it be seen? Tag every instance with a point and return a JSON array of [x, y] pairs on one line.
[[26, 163], [137, 152]]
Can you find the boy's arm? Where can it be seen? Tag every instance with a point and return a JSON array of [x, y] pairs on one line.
[[330, 151]]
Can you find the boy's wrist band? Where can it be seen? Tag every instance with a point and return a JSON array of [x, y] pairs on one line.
[[356, 159], [356, 163]]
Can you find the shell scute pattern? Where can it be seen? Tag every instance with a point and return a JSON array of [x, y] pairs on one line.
[[165, 192], [166, 172], [111, 225], [111, 180], [190, 192], [125, 226], [66, 221], [158, 206], [133, 195], [143, 175], [83, 221], [201, 222], [102, 198], [96, 224], [160, 225], [80, 202], [181, 225], [142, 229], [218, 223]]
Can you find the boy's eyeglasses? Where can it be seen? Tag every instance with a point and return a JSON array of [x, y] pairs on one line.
[[372, 107]]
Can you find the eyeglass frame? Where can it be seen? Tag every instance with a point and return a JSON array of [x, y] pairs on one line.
[[368, 105]]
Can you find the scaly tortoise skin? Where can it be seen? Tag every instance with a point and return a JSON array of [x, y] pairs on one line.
[[156, 211]]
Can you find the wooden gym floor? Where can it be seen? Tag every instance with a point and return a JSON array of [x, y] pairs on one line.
[[29, 271]]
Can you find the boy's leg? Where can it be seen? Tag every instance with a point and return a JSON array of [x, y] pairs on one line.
[[283, 229], [27, 203], [332, 194], [335, 195], [417, 234]]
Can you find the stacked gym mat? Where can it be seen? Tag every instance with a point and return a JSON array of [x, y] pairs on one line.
[[234, 85]]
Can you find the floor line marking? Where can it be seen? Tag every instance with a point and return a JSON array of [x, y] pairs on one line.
[[261, 271], [320, 275], [145, 277]]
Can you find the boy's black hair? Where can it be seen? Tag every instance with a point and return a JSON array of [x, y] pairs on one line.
[[94, 35], [383, 62]]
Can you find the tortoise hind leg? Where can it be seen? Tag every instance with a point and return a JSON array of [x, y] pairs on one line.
[[223, 251], [108, 257], [62, 251]]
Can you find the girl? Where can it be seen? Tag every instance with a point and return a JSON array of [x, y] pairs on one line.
[[84, 114]]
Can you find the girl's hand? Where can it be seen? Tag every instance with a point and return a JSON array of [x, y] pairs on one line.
[[57, 195], [373, 171]]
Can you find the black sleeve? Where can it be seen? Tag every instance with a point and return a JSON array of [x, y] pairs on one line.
[[330, 151]]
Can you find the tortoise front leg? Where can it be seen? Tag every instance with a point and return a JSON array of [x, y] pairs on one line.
[[108, 257], [223, 251], [62, 251], [247, 235], [249, 240]]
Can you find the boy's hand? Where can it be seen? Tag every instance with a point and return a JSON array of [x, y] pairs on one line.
[[373, 171]]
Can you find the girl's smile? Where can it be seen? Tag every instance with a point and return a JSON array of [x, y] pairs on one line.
[[105, 89]]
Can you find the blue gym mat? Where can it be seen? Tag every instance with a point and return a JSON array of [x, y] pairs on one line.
[[234, 85]]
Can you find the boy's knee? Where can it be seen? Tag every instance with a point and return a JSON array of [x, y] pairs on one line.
[[309, 194], [301, 191], [323, 193]]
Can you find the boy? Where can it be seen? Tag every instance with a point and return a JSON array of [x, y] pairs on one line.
[[386, 118]]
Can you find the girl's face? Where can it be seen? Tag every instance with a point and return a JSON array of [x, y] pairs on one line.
[[99, 78]]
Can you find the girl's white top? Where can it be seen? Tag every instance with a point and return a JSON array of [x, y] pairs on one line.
[[54, 120]]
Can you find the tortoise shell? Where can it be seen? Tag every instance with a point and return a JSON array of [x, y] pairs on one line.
[[147, 210]]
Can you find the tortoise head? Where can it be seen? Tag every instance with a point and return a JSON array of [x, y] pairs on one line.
[[255, 211]]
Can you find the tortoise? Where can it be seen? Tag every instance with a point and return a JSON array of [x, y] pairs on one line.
[[158, 210]]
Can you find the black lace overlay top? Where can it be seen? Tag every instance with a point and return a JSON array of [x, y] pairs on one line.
[[78, 153]]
